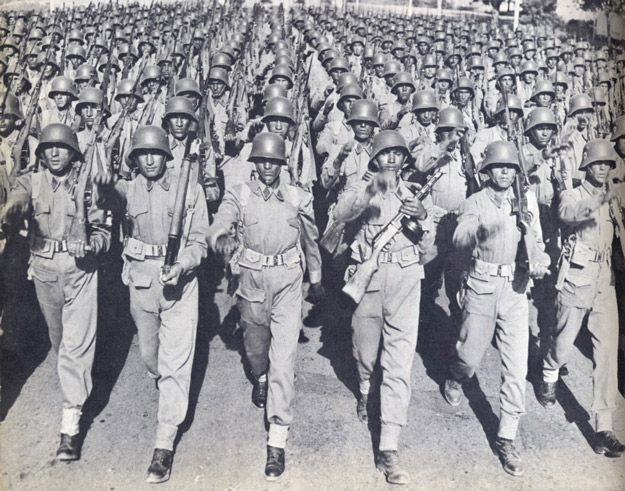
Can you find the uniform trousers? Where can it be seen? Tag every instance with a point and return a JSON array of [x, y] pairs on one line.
[[166, 320], [388, 318], [68, 297], [589, 291], [493, 305], [270, 302]]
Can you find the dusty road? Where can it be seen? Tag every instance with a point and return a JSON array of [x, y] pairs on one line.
[[223, 442]]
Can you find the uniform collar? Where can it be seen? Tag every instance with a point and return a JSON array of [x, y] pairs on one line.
[[164, 181], [260, 189], [508, 197], [363, 147], [67, 183], [590, 189]]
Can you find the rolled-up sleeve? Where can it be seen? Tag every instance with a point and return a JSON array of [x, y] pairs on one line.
[[310, 234]]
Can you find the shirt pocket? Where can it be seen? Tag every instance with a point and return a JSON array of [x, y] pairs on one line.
[[135, 214], [479, 295], [578, 290], [41, 213]]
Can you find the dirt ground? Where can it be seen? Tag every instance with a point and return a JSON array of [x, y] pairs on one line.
[[222, 442]]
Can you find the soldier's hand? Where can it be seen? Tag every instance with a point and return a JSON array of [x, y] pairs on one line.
[[413, 208], [346, 149], [420, 140], [225, 245], [316, 292], [103, 179], [327, 91], [171, 276], [13, 211], [381, 182], [328, 107], [78, 248], [256, 128], [540, 268], [401, 113]]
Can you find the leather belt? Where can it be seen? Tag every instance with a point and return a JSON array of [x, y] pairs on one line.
[[147, 250], [398, 256], [599, 257], [494, 269], [291, 256]]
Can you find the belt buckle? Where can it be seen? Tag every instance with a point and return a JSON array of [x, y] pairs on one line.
[[275, 260], [162, 250], [499, 270]]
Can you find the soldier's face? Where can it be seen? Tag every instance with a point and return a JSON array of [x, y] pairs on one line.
[[278, 125], [544, 100], [583, 118], [599, 172], [57, 157], [492, 52], [515, 61], [7, 125], [429, 71], [560, 89], [502, 175], [551, 62], [280, 80], [217, 88], [362, 130], [268, 170], [542, 134], [391, 160], [443, 85], [128, 102], [346, 104], [88, 113], [425, 116], [423, 48], [151, 163], [379, 71], [82, 85], [178, 125], [357, 49], [48, 71], [389, 79], [166, 69], [61, 100], [463, 96], [75, 61], [403, 93], [32, 62], [579, 70], [529, 77], [506, 83], [620, 145]]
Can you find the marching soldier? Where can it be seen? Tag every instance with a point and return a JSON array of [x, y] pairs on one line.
[[591, 214], [417, 128], [163, 302], [64, 268], [494, 298], [275, 227], [386, 319]]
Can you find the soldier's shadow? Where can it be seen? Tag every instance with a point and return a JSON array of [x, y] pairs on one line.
[[482, 409]]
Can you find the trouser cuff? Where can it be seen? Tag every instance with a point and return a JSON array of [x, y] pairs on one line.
[[165, 436], [389, 436], [70, 421], [277, 435], [508, 426], [603, 421], [551, 375]]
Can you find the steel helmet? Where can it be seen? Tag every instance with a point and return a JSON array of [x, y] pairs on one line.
[[274, 90], [598, 96], [391, 67], [151, 72], [529, 66], [221, 60], [11, 105], [579, 61], [90, 95], [506, 72], [561, 78], [464, 83], [180, 105], [402, 78], [385, 140], [500, 152], [346, 78], [369, 52], [128, 87], [580, 102], [219, 74], [282, 71], [268, 146], [76, 51], [150, 138], [424, 99], [599, 150], [60, 134], [187, 86], [500, 58], [514, 104], [619, 128], [429, 61], [285, 60], [351, 90], [379, 59], [337, 64], [540, 116], [364, 110], [279, 107], [444, 74], [476, 62], [329, 55], [543, 87], [450, 118], [62, 85], [86, 72]]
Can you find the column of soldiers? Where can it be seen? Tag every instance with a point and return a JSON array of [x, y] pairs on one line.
[[431, 150]]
